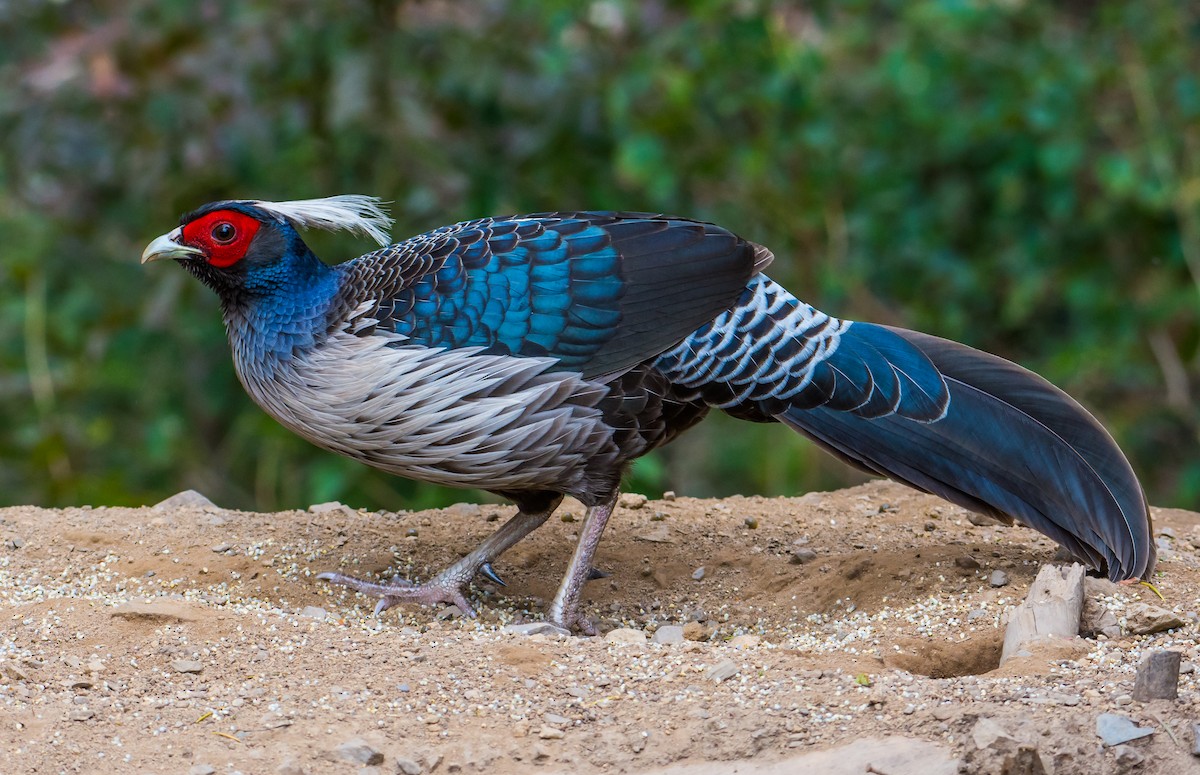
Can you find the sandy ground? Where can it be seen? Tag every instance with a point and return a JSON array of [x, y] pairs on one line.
[[196, 640]]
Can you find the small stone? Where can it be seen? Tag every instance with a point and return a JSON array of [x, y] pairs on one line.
[[802, 556], [187, 666], [625, 635], [1098, 587], [408, 766], [1157, 677], [1114, 729], [551, 733], [556, 720], [943, 712], [698, 574], [930, 527], [314, 612], [744, 641], [1196, 738], [535, 628], [982, 520], [330, 507], [405, 766], [631, 500], [722, 671], [1145, 619], [659, 534], [201, 769], [987, 733], [188, 499], [1097, 619], [274, 721], [222, 547], [358, 751], [966, 562], [1128, 757], [291, 767], [697, 631], [16, 542], [751, 523], [669, 495], [81, 714], [668, 633], [998, 579]]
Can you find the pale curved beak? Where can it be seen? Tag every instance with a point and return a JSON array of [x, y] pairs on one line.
[[167, 246]]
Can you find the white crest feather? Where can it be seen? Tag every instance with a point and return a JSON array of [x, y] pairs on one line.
[[355, 213]]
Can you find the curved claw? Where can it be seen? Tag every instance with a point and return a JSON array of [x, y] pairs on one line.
[[596, 573], [490, 574], [584, 625]]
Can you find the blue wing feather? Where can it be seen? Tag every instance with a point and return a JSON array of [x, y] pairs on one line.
[[599, 292]]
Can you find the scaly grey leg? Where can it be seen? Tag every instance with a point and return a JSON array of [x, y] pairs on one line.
[[564, 611]]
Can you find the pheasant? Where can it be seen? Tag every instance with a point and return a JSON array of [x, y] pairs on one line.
[[536, 356]]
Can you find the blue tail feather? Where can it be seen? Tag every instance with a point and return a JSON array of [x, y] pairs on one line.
[[1009, 444]]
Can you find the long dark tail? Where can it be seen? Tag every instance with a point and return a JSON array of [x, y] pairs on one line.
[[939, 416], [1011, 445]]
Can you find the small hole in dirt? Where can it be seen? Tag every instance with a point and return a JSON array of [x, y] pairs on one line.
[[941, 659]]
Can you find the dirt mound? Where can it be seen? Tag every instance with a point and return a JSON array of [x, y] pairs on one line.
[[195, 639]]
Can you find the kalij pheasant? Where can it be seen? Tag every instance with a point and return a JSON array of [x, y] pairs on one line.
[[535, 356]]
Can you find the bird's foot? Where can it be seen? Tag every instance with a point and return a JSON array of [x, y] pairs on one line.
[[583, 624], [440, 589]]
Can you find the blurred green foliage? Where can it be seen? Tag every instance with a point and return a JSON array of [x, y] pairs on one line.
[[1021, 176]]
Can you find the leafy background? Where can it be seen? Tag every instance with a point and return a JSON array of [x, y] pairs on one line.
[[1017, 175]]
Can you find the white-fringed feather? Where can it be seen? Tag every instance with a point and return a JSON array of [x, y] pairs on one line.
[[355, 213]]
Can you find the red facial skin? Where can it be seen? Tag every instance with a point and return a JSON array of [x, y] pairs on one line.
[[223, 235]]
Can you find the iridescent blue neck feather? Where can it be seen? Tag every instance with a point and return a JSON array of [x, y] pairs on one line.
[[280, 308]]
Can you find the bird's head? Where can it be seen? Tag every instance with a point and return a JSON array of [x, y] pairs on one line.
[[245, 248]]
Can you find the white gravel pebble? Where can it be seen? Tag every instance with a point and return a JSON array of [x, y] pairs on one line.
[[668, 633], [722, 671], [551, 733], [314, 612], [625, 635]]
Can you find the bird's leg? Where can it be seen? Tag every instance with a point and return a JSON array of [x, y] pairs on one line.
[[564, 611], [450, 586]]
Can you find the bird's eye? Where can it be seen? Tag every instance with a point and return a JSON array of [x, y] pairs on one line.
[[223, 233]]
